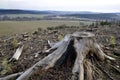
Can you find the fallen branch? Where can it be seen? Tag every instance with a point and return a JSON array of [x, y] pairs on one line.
[[11, 76], [56, 45], [51, 44], [45, 63], [17, 53]]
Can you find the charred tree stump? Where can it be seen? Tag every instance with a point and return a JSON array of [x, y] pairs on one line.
[[84, 45]]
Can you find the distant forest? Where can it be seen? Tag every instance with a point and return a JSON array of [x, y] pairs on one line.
[[69, 15], [96, 16]]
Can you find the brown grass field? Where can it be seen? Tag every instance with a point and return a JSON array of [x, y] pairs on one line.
[[27, 15], [16, 27]]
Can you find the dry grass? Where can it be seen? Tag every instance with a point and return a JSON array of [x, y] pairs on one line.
[[13, 27], [27, 15]]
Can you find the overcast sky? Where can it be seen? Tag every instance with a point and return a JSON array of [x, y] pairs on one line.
[[63, 5]]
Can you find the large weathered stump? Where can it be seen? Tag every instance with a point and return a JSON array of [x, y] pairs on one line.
[[85, 47]]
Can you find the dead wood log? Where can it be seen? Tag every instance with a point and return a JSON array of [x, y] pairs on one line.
[[50, 44], [56, 45], [11, 76], [47, 62], [17, 53], [84, 45]]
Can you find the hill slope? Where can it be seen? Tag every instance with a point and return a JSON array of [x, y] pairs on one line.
[[76, 14], [96, 16]]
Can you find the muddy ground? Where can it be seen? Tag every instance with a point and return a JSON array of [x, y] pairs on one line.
[[36, 43]]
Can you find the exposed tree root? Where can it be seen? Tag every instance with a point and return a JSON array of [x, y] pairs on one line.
[[88, 68], [115, 68], [105, 72]]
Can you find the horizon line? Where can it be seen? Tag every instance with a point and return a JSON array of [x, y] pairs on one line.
[[61, 10]]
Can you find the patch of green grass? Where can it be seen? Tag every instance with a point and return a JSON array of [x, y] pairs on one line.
[[6, 67], [112, 41], [14, 42], [60, 37]]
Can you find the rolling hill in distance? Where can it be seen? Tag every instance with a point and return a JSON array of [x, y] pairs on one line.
[[18, 11], [75, 14]]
